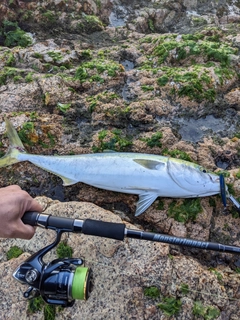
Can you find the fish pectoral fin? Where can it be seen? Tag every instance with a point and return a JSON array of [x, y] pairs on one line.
[[150, 164], [145, 200], [67, 181]]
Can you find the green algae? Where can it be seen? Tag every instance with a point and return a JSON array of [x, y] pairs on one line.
[[8, 73], [63, 107], [104, 97], [152, 292], [29, 77], [184, 288], [207, 312], [177, 154], [29, 136], [112, 140], [188, 63], [38, 304], [217, 273], [14, 252], [93, 70], [160, 205], [195, 83], [238, 174], [56, 56], [170, 306], [146, 88], [194, 46], [26, 132], [35, 305], [14, 35], [185, 210], [49, 16], [64, 250], [163, 80], [154, 141]]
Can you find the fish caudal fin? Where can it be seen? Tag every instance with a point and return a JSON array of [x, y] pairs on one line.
[[15, 146]]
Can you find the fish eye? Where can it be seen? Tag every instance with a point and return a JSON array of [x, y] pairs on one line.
[[203, 170]]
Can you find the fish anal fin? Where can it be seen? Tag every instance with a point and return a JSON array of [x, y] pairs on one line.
[[150, 164], [145, 200]]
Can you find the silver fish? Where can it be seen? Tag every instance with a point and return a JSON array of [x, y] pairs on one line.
[[146, 175]]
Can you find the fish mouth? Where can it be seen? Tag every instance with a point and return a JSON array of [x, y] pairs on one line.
[[214, 178]]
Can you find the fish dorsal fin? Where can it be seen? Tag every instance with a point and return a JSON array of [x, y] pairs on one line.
[[109, 151], [150, 164], [145, 200]]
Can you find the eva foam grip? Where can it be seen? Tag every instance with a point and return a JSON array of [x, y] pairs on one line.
[[48, 221], [30, 218], [104, 229]]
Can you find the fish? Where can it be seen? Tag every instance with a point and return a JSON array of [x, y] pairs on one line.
[[147, 175]]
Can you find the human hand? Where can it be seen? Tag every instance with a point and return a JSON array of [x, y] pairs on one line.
[[14, 202]]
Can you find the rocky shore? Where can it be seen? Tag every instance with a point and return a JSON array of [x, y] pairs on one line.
[[158, 77]]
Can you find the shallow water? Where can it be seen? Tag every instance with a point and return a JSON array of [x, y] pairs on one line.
[[128, 65], [194, 130], [118, 17]]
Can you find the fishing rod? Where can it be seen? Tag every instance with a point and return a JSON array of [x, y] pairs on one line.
[[117, 231], [62, 281]]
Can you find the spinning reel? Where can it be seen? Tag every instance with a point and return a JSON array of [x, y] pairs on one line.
[[59, 282]]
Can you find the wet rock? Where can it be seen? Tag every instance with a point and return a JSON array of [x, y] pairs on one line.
[[233, 98]]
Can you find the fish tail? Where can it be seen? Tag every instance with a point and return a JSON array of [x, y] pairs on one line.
[[15, 148]]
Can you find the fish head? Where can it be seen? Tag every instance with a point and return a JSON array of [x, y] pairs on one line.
[[196, 180]]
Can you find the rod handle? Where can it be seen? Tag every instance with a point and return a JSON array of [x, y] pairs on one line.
[[48, 221], [30, 217], [104, 229]]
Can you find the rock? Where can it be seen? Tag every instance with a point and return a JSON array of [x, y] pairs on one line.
[[236, 40], [160, 16], [233, 98]]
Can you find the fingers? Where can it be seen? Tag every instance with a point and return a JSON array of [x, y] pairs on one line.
[[18, 230], [27, 232], [30, 204], [11, 188], [24, 200], [14, 202]]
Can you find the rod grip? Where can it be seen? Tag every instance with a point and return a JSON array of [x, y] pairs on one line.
[[104, 229], [60, 223], [30, 217], [48, 221]]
